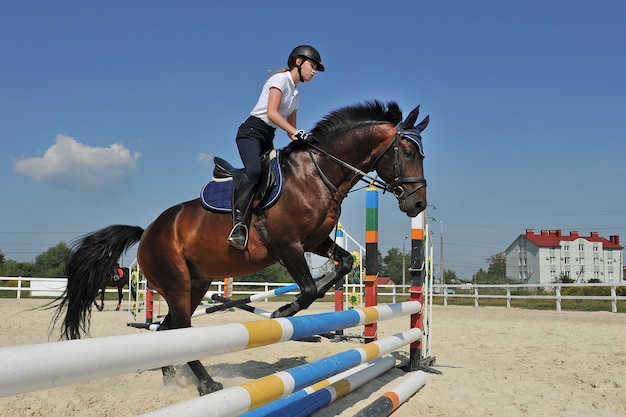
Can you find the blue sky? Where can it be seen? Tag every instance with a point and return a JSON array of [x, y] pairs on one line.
[[111, 112]]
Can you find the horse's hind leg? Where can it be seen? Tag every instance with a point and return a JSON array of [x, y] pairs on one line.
[[95, 301], [176, 315], [206, 384], [120, 297]]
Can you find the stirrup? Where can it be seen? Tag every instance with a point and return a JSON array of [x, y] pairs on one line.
[[235, 241]]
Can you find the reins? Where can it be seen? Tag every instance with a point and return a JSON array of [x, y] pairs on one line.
[[395, 186]]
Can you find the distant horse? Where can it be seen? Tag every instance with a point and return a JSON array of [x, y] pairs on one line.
[[119, 281], [186, 248]]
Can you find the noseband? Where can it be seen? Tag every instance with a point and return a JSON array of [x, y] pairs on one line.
[[395, 186]]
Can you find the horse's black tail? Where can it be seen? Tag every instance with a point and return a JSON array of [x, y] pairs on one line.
[[87, 268]]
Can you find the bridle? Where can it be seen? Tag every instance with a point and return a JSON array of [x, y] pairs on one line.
[[395, 186]]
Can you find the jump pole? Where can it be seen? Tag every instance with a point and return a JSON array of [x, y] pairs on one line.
[[371, 258], [241, 301], [389, 402], [339, 286], [28, 368], [255, 310], [416, 271], [236, 400], [312, 398]]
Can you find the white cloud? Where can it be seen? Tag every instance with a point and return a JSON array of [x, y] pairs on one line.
[[205, 159], [73, 165]]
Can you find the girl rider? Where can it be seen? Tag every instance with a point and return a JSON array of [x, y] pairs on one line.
[[276, 108]]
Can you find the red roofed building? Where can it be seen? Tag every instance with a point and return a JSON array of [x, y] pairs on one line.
[[542, 258]]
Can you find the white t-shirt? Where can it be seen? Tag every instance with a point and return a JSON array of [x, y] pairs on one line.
[[288, 103]]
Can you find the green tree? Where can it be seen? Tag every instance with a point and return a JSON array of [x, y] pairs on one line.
[[12, 268], [497, 266], [480, 277], [496, 272], [273, 273], [449, 277], [565, 279], [51, 263], [392, 265]]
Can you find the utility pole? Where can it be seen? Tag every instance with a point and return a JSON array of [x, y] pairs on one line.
[[441, 252], [404, 266]]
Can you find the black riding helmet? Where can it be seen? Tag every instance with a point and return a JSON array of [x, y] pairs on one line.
[[306, 52]]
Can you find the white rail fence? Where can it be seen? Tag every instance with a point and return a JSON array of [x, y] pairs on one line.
[[53, 287]]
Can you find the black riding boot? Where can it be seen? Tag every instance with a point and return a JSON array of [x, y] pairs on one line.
[[242, 198]]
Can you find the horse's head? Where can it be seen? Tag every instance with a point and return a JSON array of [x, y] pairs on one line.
[[401, 165], [367, 137]]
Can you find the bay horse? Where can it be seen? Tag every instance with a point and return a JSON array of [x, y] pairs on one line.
[[115, 279], [186, 248]]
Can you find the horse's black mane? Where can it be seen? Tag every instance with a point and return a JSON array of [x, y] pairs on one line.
[[346, 118], [339, 121]]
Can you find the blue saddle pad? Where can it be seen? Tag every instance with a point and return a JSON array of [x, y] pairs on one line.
[[215, 195]]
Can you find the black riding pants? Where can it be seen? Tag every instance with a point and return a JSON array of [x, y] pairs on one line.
[[254, 138]]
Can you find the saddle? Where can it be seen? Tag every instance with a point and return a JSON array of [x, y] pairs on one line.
[[215, 195]]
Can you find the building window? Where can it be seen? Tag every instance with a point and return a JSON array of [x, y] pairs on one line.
[[595, 248], [581, 246], [596, 275], [581, 261], [565, 247], [609, 261], [595, 261], [566, 260]]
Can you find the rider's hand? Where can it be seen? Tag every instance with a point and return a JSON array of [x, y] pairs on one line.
[[302, 136]]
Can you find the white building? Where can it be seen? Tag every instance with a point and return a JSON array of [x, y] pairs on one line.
[[542, 258]]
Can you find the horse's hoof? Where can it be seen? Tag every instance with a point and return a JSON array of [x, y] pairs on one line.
[[207, 388], [287, 310]]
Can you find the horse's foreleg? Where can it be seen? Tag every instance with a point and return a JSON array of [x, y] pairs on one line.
[[297, 267], [343, 265]]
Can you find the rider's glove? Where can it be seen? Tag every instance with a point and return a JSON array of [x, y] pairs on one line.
[[302, 136]]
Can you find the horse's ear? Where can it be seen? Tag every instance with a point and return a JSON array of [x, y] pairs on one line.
[[423, 123], [409, 122]]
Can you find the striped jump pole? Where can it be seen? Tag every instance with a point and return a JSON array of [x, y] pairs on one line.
[[254, 297], [371, 257], [255, 310], [338, 384], [320, 398], [416, 272], [417, 354], [234, 401], [389, 402], [339, 289], [28, 368]]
